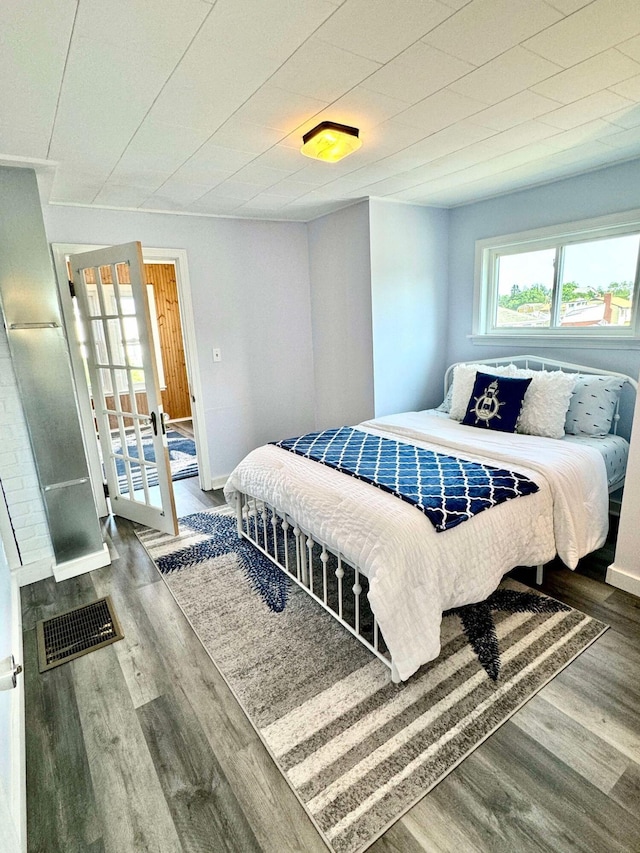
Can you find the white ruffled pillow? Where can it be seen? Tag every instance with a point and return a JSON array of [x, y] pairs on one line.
[[546, 402], [464, 375]]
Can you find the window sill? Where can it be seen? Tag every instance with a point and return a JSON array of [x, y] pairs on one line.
[[553, 341]]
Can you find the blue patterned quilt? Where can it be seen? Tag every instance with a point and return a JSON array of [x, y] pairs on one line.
[[448, 490]]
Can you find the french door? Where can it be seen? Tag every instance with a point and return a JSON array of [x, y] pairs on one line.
[[125, 391]]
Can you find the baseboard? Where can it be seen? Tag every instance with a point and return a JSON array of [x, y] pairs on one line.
[[45, 568], [219, 482], [87, 563], [622, 579], [32, 572]]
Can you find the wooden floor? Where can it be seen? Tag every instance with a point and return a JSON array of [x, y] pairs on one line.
[[140, 746], [184, 427]]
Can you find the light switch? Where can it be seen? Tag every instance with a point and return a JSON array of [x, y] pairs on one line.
[[217, 354]]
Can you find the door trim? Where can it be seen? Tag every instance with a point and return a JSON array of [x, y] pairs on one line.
[[155, 255], [18, 761], [179, 259], [16, 797]]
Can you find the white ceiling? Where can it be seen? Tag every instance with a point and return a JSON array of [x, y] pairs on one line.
[[199, 106]]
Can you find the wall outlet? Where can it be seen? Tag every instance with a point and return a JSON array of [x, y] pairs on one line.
[[217, 354]]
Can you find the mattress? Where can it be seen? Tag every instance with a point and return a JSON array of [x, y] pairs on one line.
[[614, 449]]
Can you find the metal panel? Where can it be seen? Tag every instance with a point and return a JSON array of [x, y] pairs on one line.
[[43, 371], [42, 360], [71, 514], [29, 293]]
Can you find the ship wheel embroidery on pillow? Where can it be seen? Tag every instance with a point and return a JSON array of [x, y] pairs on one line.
[[487, 405], [496, 402]]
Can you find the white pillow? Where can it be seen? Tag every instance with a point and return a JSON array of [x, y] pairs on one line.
[[464, 375], [546, 402]]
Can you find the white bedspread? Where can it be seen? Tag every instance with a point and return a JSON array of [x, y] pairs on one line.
[[414, 572]]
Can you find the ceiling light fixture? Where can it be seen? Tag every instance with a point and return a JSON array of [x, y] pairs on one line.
[[330, 142]]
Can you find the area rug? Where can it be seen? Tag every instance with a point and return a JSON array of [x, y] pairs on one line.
[[182, 459], [358, 750]]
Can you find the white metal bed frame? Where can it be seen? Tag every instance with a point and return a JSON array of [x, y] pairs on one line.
[[304, 558]]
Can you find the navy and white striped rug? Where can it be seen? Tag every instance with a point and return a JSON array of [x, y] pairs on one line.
[[358, 750]]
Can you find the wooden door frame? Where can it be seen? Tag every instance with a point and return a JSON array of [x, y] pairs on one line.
[[177, 257]]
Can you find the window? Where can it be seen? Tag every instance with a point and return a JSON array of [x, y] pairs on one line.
[[125, 341], [580, 280]]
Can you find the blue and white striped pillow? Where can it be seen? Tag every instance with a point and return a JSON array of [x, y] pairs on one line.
[[593, 405]]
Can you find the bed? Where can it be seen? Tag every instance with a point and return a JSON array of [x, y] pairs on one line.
[[380, 566]]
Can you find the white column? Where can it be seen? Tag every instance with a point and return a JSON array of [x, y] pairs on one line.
[[624, 572]]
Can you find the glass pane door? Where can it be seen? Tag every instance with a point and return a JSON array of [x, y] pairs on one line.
[[125, 391]]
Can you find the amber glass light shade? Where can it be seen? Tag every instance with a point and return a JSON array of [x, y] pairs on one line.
[[330, 142]]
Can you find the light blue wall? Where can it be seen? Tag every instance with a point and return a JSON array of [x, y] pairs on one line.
[[250, 295], [409, 305], [605, 191], [356, 312], [340, 276]]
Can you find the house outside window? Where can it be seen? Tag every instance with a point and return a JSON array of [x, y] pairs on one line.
[[577, 281]]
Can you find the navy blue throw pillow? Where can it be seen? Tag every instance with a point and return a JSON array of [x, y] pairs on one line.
[[496, 402]]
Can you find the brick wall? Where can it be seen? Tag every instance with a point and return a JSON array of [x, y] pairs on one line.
[[17, 470]]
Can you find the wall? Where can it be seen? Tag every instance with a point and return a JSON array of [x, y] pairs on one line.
[[598, 193], [340, 276], [409, 305], [290, 306], [625, 570], [250, 294], [17, 470], [350, 309]]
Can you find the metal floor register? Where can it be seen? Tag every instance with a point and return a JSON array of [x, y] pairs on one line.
[[76, 633]]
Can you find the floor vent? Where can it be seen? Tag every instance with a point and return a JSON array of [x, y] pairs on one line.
[[76, 633]]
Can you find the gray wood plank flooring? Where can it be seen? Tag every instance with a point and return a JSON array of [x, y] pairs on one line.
[[141, 746]]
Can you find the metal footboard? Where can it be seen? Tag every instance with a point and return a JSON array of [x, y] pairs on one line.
[[321, 572]]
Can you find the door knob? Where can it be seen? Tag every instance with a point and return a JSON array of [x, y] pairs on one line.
[[9, 673]]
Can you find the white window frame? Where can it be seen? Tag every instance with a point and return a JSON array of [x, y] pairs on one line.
[[486, 292]]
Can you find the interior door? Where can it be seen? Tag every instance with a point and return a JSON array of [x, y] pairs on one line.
[[125, 391]]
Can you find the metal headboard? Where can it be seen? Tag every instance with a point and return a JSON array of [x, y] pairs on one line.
[[623, 415]]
